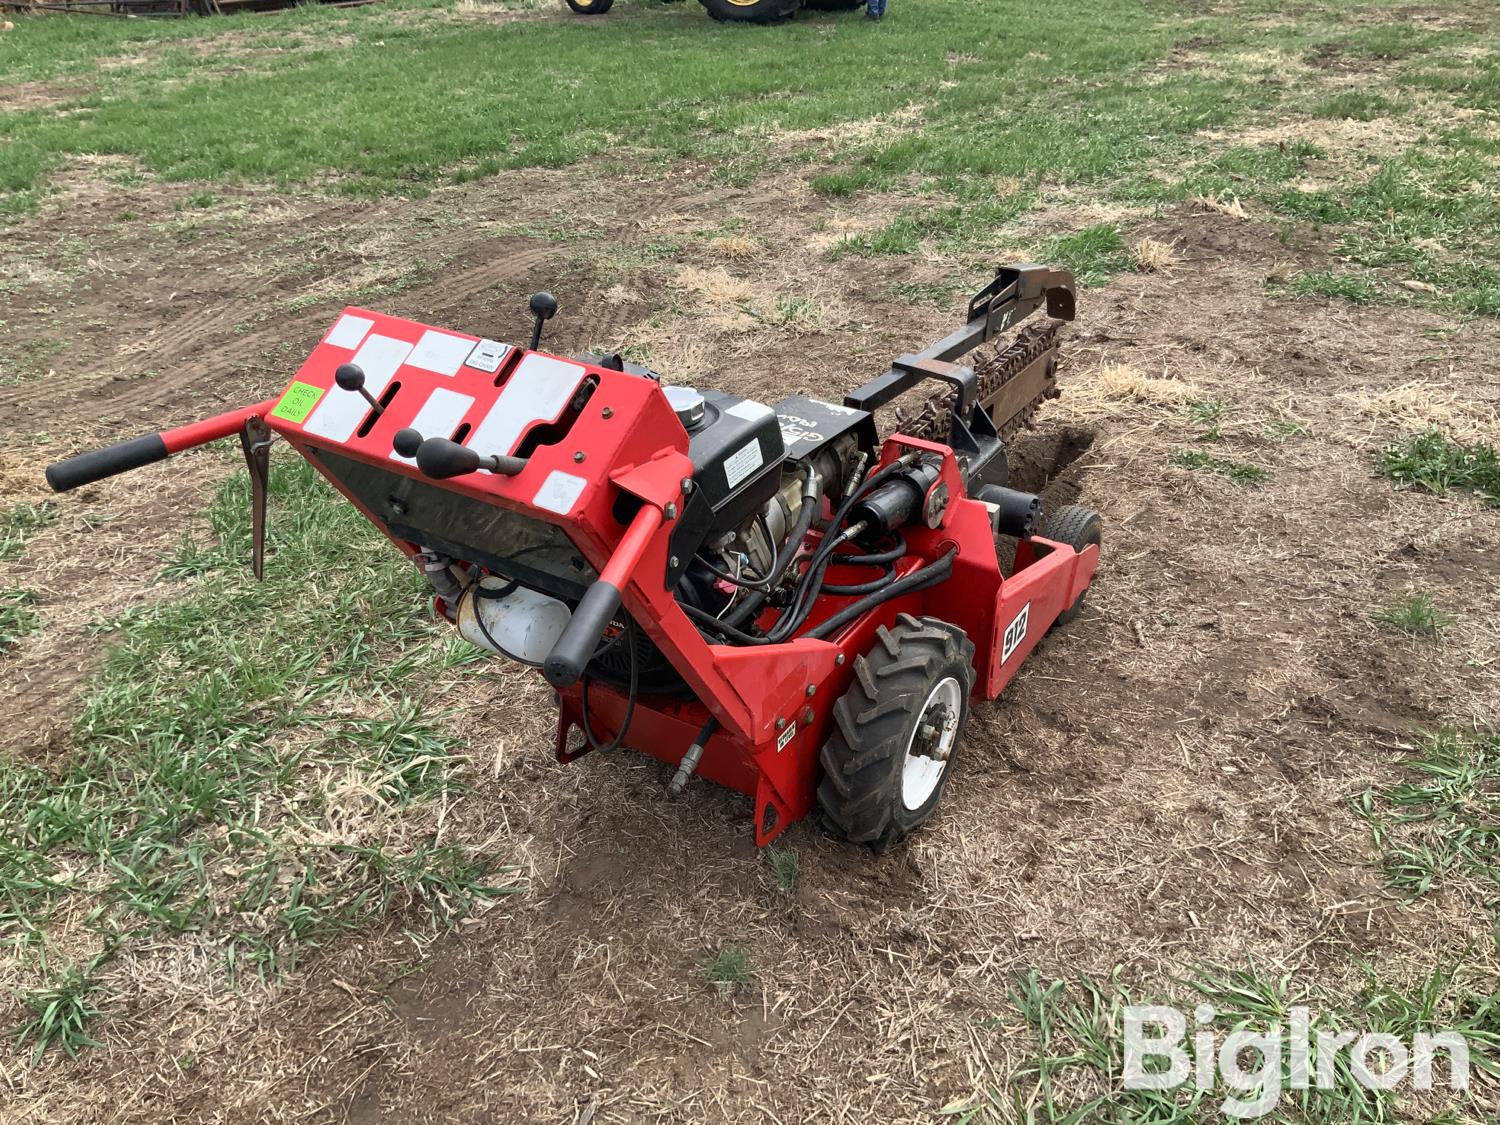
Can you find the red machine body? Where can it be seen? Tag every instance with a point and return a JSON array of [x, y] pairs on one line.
[[599, 454], [772, 702]]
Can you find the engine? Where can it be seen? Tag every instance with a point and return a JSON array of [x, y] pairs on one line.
[[762, 475]]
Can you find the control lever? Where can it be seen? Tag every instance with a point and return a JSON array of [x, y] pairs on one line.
[[544, 308], [351, 377], [440, 458]]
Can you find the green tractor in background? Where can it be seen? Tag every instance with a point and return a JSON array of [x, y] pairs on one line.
[[737, 11]]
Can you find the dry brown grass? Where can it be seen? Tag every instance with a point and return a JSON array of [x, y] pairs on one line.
[[1153, 255], [1231, 207], [734, 246], [1113, 386], [1421, 403]]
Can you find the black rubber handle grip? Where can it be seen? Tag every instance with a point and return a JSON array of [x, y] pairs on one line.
[[96, 464], [575, 648]]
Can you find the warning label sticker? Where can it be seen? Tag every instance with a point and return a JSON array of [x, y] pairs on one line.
[[740, 465], [786, 736], [297, 403]]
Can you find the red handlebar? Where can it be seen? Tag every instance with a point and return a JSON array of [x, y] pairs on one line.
[[96, 464]]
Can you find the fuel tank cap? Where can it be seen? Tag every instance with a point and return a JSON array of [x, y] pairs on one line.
[[687, 403]]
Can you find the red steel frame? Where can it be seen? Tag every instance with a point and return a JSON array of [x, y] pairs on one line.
[[773, 703]]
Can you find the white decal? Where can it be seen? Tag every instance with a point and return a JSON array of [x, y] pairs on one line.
[[348, 331], [339, 413], [559, 492], [786, 736], [1015, 632], [537, 392], [749, 411], [740, 465], [439, 417], [487, 355], [440, 352]]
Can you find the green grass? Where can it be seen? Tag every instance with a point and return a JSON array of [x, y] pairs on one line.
[[728, 970], [1074, 1072], [1210, 414], [244, 761], [16, 525], [60, 1011], [784, 864], [1284, 429], [1440, 826], [1353, 287], [410, 103], [1415, 614], [1241, 472], [1439, 465], [1094, 255], [18, 617]]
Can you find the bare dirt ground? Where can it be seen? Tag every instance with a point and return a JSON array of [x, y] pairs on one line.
[[1165, 785]]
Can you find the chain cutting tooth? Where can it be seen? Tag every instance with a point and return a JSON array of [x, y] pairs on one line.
[[1030, 344]]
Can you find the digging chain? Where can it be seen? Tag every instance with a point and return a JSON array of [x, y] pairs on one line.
[[1031, 343]]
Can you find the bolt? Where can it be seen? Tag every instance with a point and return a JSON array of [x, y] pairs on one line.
[[807, 716], [781, 724], [672, 562], [812, 689], [579, 456], [671, 511], [839, 659], [607, 412], [687, 486]]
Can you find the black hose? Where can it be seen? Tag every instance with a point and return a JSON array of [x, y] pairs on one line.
[[748, 608], [583, 694], [861, 587], [812, 578], [879, 558], [929, 575], [708, 621]]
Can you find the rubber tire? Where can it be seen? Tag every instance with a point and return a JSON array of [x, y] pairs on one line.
[[1078, 528], [762, 11], [863, 760], [591, 7]]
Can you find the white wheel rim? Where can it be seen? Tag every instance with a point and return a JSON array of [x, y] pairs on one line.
[[923, 769]]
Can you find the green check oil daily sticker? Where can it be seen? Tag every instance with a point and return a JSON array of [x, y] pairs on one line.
[[297, 403]]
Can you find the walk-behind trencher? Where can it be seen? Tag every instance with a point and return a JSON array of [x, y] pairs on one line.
[[770, 597]]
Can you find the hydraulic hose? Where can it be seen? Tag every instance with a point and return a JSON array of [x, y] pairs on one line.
[[929, 575], [748, 608]]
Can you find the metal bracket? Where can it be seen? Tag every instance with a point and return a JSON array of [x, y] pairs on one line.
[[255, 439]]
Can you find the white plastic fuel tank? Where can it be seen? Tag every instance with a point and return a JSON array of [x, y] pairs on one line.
[[523, 624]]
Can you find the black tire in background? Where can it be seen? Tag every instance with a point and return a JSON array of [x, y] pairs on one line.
[[591, 7], [749, 11], [1078, 528], [916, 677]]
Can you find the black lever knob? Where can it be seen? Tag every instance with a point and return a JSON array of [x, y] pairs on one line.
[[351, 377], [544, 308], [543, 305], [440, 459], [407, 442]]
